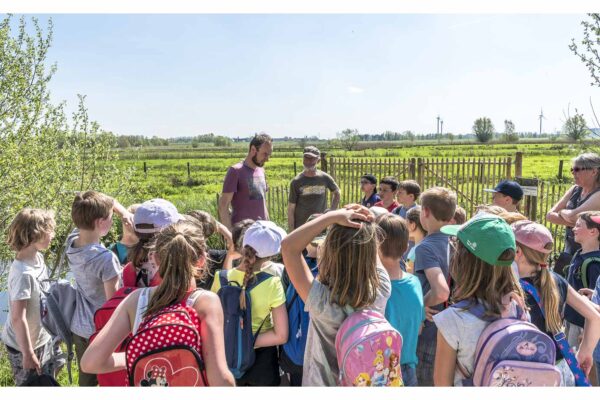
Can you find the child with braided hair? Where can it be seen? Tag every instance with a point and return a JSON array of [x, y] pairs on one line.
[[261, 241]]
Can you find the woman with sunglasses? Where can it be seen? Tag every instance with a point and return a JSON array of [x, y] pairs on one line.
[[583, 196]]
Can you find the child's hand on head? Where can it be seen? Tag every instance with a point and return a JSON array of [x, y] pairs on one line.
[[127, 219], [352, 216]]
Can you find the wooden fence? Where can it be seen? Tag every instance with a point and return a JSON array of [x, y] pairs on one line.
[[466, 176]]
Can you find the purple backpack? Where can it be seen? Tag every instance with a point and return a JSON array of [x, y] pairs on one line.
[[368, 351], [511, 352]]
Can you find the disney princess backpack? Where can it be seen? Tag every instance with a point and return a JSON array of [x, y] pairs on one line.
[[368, 351]]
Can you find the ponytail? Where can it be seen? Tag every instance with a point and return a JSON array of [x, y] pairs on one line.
[[549, 297], [249, 262], [178, 249], [547, 288]]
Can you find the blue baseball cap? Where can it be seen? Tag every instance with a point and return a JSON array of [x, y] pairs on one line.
[[508, 188]]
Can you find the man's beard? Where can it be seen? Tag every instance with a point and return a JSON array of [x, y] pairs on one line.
[[256, 162], [310, 169]]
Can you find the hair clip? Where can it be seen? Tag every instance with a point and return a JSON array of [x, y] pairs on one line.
[[543, 265], [595, 218]]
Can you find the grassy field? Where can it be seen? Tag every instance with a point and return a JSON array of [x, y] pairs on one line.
[[167, 173]]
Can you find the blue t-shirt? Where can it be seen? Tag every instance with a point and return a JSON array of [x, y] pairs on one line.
[[401, 211], [432, 252], [405, 312], [574, 279], [596, 299], [121, 251], [370, 202]]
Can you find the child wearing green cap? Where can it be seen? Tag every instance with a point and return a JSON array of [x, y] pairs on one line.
[[481, 271]]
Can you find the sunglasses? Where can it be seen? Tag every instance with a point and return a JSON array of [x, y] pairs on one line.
[[577, 169]]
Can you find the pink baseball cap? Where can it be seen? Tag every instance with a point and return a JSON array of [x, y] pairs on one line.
[[533, 235]]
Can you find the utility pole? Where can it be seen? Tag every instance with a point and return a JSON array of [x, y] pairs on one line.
[[441, 127], [438, 125], [541, 117]]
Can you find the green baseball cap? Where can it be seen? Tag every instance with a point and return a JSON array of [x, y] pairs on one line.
[[486, 237]]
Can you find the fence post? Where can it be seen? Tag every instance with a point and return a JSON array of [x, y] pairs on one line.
[[509, 168], [323, 162], [413, 169], [560, 170], [420, 172], [145, 170], [188, 168], [295, 170], [519, 164]]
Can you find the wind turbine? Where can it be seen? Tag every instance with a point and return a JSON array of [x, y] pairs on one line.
[[541, 116]]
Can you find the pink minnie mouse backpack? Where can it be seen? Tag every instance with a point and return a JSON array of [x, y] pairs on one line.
[[368, 351], [166, 349]]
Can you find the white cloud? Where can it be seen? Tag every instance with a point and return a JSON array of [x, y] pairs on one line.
[[355, 90]]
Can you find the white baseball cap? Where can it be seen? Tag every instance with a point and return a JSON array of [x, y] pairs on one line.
[[265, 238], [156, 212]]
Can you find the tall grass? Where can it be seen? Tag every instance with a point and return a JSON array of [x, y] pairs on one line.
[[6, 377]]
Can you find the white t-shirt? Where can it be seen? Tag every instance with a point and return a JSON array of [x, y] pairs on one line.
[[24, 282]]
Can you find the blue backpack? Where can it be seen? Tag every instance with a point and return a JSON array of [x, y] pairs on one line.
[[239, 340], [297, 321]]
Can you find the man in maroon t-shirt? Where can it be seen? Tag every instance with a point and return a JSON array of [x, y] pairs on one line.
[[245, 186]]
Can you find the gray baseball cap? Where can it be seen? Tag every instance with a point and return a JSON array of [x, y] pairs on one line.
[[156, 212]]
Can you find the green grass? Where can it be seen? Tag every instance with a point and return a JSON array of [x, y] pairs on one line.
[[6, 378], [167, 174]]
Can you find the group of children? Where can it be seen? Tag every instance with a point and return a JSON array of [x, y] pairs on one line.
[[422, 266]]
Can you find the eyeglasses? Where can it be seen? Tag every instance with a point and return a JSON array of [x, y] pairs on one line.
[[577, 169]]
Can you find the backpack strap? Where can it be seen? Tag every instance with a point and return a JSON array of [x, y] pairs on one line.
[[193, 297], [142, 305], [475, 308], [223, 280], [563, 344], [294, 297], [584, 267], [449, 279], [259, 278]]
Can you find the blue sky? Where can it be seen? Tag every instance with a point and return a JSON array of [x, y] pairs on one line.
[[296, 75]]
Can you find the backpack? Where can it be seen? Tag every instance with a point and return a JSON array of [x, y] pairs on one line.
[[239, 339], [298, 320], [582, 273], [101, 317], [368, 351], [510, 352], [166, 348], [57, 306], [41, 380], [133, 278], [560, 339]]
